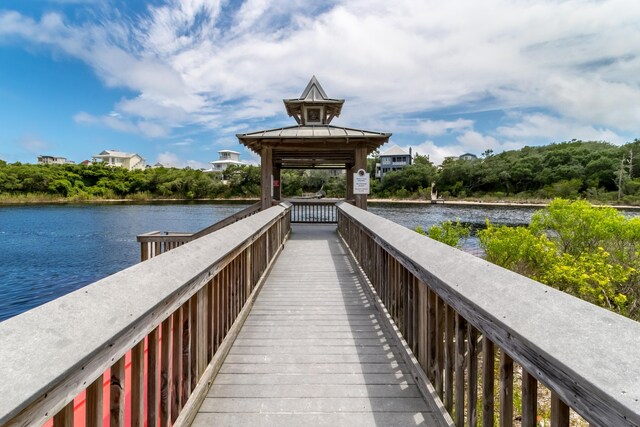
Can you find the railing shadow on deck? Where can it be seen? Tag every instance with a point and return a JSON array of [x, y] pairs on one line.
[[454, 310], [171, 318]]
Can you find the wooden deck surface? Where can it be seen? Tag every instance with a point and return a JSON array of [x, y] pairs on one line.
[[313, 352]]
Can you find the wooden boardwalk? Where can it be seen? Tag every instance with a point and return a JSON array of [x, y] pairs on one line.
[[313, 350]]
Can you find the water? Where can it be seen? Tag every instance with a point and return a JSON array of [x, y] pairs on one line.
[[47, 251], [426, 215]]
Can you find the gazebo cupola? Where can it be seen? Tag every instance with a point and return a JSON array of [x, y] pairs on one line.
[[313, 107], [312, 143]]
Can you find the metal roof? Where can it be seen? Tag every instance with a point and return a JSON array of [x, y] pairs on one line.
[[313, 132], [313, 95]]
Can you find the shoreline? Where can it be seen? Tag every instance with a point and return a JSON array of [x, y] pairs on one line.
[[506, 203], [492, 203]]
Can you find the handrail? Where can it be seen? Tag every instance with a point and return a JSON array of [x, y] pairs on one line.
[[313, 211], [157, 242], [178, 308], [450, 307]]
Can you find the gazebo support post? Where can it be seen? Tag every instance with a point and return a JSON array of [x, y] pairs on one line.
[[266, 160], [276, 180], [361, 163], [350, 171]]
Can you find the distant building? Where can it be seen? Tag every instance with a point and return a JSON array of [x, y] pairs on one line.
[[54, 160], [468, 156], [130, 161], [86, 163], [394, 159], [227, 158]]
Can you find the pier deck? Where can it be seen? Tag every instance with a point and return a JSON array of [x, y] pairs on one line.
[[314, 350]]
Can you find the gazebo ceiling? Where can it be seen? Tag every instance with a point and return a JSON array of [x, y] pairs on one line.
[[313, 143]]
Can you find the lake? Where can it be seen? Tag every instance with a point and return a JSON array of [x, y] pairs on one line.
[[51, 250]]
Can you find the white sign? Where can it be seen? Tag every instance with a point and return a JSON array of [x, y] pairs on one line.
[[361, 182]]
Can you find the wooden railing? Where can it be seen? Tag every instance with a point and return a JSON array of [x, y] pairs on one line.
[[313, 211], [459, 314], [157, 242], [156, 333]]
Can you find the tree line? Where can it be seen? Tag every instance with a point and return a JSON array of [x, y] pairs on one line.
[[98, 181], [594, 170], [590, 169]]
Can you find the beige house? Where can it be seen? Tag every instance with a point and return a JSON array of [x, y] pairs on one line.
[[130, 161]]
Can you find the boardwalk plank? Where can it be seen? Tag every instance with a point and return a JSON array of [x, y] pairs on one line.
[[352, 419], [305, 391], [313, 350]]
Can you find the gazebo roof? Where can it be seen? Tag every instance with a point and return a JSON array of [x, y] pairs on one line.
[[299, 135], [314, 144]]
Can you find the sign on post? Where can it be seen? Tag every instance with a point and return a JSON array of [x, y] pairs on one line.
[[361, 182]]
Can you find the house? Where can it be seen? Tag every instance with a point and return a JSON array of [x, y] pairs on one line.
[[227, 158], [395, 158], [54, 160], [468, 156], [130, 161]]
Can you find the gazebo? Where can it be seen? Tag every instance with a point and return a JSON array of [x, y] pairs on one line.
[[312, 143]]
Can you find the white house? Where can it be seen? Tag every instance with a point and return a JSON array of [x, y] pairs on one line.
[[394, 159], [54, 160], [128, 161], [227, 158]]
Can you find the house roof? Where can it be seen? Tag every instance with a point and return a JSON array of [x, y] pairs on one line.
[[115, 153], [228, 162], [395, 151], [229, 151]]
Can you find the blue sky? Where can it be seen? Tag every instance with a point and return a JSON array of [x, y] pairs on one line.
[[175, 80]]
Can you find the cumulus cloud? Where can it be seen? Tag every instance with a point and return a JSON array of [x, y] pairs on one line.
[[225, 66], [529, 127], [440, 127], [116, 122], [169, 159], [435, 152]]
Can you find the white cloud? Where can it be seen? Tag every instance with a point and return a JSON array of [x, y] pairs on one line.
[[190, 64], [169, 159], [435, 152], [116, 122], [553, 129], [476, 142], [441, 127]]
